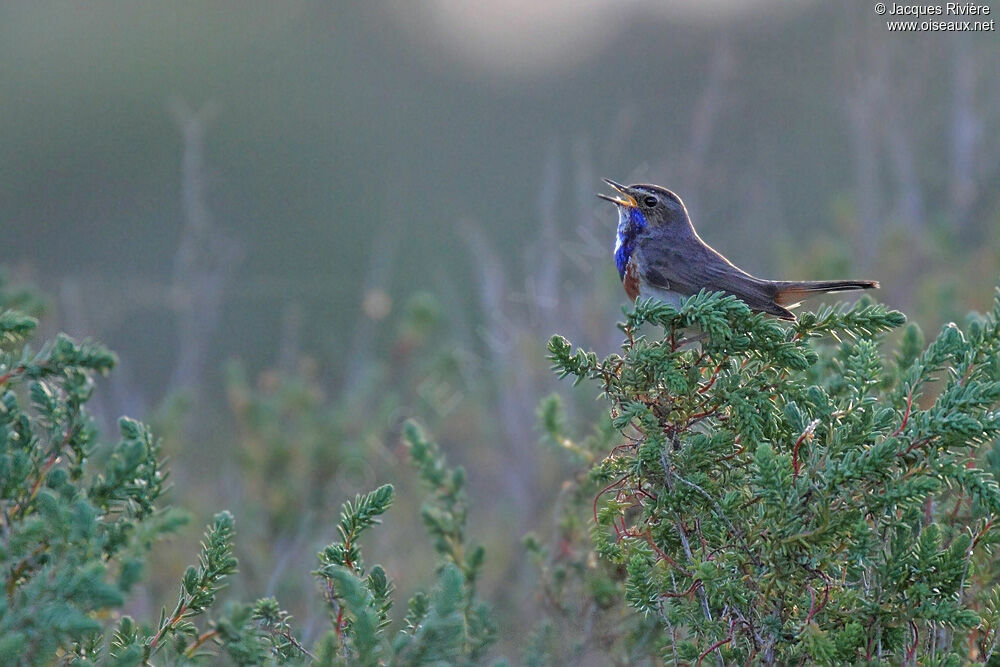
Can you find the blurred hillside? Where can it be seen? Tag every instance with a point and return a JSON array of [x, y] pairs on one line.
[[378, 210], [330, 127]]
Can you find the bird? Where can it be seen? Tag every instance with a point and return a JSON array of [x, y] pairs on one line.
[[659, 254]]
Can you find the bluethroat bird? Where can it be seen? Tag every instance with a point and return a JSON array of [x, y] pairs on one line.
[[659, 254]]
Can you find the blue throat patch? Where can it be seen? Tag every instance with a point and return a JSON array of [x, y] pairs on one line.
[[630, 223]]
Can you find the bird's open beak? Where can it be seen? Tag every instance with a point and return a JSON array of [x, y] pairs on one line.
[[625, 200]]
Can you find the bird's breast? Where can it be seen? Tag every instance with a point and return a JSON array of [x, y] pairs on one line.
[[630, 223], [630, 279]]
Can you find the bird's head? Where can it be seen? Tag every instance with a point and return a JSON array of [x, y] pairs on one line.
[[643, 205], [644, 211]]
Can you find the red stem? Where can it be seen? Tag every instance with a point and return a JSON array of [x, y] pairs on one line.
[[44, 470], [713, 647], [14, 370], [731, 456], [602, 492], [715, 375], [702, 415], [906, 415], [621, 446], [659, 552], [981, 533], [912, 650], [683, 594], [795, 453], [914, 445], [169, 624], [202, 638]]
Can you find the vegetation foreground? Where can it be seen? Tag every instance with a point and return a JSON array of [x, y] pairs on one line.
[[760, 492]]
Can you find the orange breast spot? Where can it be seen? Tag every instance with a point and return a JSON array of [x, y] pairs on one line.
[[631, 280]]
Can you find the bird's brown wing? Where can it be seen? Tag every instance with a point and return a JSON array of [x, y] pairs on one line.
[[689, 268]]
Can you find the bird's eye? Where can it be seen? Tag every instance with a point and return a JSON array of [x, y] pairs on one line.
[[650, 201]]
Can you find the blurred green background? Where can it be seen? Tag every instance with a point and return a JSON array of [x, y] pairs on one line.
[[300, 222]]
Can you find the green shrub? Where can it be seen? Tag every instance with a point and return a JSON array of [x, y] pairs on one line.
[[763, 496], [759, 492], [79, 518]]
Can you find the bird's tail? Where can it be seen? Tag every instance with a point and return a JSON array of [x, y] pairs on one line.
[[790, 292]]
